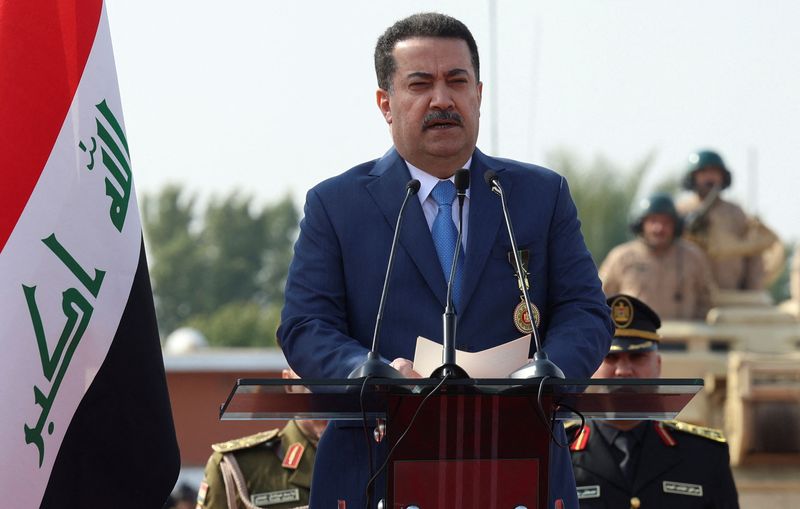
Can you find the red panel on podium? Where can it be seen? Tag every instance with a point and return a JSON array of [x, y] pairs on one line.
[[459, 434], [466, 484]]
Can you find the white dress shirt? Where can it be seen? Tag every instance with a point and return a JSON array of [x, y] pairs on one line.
[[429, 206]]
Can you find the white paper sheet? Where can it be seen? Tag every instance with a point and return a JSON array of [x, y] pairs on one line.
[[496, 362]]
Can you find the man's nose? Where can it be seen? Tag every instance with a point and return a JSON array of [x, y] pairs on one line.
[[441, 98], [623, 369]]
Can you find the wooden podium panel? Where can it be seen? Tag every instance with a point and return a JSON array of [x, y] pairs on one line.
[[468, 451], [466, 484]]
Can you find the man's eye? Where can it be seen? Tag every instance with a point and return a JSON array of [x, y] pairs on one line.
[[418, 84]]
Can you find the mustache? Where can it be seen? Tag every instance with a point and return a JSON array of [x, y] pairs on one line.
[[442, 116]]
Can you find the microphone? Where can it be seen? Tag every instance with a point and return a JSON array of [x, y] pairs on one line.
[[449, 367], [374, 367], [540, 366]]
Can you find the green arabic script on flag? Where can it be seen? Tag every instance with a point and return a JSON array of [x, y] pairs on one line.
[[75, 305]]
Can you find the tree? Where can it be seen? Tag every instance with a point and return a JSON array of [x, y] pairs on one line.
[[175, 262], [239, 324], [603, 194], [221, 271]]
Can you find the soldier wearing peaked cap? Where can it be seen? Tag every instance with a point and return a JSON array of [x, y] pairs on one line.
[[643, 464]]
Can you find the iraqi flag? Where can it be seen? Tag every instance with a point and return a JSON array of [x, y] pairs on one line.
[[86, 419]]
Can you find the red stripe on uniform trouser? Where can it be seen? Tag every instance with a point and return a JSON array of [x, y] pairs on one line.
[[44, 46]]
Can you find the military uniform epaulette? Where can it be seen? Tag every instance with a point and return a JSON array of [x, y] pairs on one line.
[[246, 442], [579, 437], [700, 431]]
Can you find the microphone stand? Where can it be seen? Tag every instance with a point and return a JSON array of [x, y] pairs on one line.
[[374, 367], [540, 366], [449, 367]]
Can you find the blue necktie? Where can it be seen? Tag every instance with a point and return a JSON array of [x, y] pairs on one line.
[[445, 233]]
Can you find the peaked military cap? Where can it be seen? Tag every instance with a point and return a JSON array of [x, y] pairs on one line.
[[635, 325]]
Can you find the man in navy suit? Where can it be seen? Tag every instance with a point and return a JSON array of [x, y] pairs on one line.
[[430, 95]]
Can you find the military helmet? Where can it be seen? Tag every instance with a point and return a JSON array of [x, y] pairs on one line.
[[656, 203], [699, 160]]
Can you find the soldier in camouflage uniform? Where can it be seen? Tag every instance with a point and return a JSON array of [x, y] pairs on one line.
[[733, 241], [643, 464], [271, 469], [671, 274]]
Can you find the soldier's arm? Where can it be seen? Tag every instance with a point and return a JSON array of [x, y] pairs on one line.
[[754, 272], [212, 491], [704, 285]]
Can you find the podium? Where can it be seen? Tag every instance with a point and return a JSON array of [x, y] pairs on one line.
[[472, 443]]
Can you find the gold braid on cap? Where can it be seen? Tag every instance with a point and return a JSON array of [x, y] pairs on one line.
[[640, 346], [634, 333]]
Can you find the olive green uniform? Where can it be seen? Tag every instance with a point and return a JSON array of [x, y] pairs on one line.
[[271, 469]]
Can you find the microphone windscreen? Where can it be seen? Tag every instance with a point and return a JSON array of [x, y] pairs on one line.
[[489, 177], [413, 185], [462, 180]]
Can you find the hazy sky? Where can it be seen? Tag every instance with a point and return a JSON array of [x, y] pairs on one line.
[[272, 97]]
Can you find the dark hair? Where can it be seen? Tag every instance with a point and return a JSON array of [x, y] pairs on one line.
[[424, 24]]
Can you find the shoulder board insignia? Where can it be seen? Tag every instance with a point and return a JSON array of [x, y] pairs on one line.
[[293, 455], [581, 440], [246, 442], [700, 431], [664, 435]]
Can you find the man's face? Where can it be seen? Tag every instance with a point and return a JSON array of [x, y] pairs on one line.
[[658, 231], [706, 178], [434, 105], [630, 365]]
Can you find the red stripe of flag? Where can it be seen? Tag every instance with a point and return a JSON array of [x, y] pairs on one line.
[[44, 46]]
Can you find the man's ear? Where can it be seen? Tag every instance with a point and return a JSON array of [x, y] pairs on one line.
[[384, 104], [480, 92]]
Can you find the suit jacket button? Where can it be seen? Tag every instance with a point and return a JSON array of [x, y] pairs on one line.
[[635, 503]]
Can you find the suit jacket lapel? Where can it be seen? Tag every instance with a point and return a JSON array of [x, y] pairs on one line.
[[485, 219], [602, 464], [668, 457], [388, 192]]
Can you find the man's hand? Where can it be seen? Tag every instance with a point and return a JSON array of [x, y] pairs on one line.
[[405, 367]]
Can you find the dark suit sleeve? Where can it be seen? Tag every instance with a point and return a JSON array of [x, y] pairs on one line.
[[579, 330], [313, 332]]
